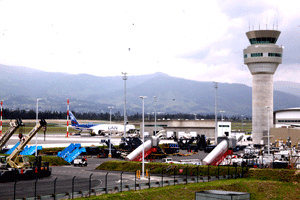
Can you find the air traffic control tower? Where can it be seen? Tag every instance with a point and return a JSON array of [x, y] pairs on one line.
[[262, 58]]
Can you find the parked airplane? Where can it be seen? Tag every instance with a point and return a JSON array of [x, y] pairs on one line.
[[100, 129]]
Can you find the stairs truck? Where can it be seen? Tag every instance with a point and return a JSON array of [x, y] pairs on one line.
[[221, 151], [11, 130], [150, 146], [18, 167]]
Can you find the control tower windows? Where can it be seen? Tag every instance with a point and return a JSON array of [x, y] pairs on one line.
[[256, 54], [278, 55], [263, 40], [274, 55]]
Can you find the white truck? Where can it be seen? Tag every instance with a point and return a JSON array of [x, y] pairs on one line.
[[169, 160], [80, 161], [191, 161]]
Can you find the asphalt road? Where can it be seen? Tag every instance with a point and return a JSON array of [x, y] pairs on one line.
[[63, 176]]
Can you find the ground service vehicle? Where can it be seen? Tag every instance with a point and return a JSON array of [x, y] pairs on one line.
[[3, 164], [19, 167], [80, 161], [169, 160]]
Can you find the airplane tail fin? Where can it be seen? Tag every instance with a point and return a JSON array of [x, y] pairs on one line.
[[74, 121]]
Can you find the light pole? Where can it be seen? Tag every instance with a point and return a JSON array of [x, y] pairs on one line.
[[124, 78], [37, 118], [222, 120], [1, 119], [68, 104], [216, 123], [242, 123], [268, 107], [154, 115], [110, 107], [143, 162]]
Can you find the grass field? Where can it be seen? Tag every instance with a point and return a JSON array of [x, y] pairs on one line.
[[247, 126], [260, 183], [53, 126], [258, 190], [59, 126]]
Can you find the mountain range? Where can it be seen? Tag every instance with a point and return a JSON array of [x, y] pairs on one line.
[[21, 86]]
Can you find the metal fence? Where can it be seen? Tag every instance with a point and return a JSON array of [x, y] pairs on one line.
[[61, 188]]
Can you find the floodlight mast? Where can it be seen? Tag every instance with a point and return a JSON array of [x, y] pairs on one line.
[[110, 107], [143, 129], [216, 117], [1, 118], [155, 115], [124, 78], [37, 118]]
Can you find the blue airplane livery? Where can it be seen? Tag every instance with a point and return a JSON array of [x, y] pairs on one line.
[[100, 129]]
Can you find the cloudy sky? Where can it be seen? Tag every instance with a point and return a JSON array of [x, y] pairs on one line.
[[198, 40]]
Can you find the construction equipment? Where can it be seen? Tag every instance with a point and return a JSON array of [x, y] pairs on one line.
[[129, 143], [188, 143], [12, 129], [105, 151], [18, 166], [3, 164], [170, 148]]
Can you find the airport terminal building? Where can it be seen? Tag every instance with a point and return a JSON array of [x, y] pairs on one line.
[[192, 127], [286, 126], [286, 117]]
